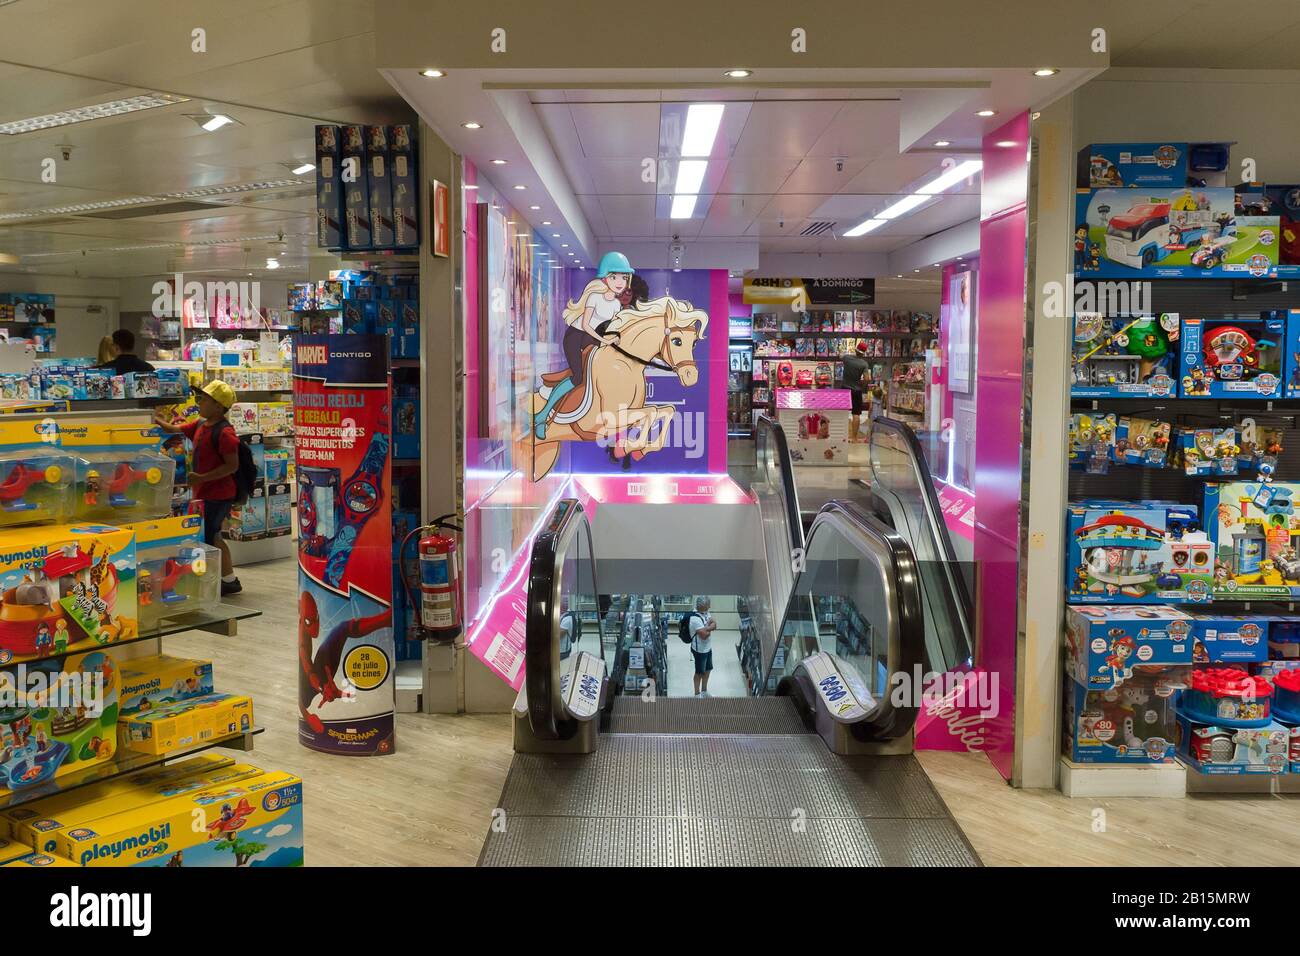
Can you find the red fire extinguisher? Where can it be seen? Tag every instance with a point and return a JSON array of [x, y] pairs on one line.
[[434, 597]]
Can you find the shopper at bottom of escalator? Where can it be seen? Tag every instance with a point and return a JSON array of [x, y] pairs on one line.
[[702, 627], [855, 370]]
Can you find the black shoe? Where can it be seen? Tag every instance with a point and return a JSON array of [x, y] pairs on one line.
[[231, 587]]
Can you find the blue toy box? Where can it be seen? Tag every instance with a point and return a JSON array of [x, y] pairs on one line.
[[406, 423], [1218, 750], [406, 192], [1254, 529], [1208, 451], [409, 331], [378, 167], [1133, 723], [1124, 357], [1146, 165], [1122, 552], [356, 187], [1103, 644], [1143, 442], [1291, 358], [1233, 357], [329, 192], [1223, 638]]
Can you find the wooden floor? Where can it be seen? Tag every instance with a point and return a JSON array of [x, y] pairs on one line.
[[430, 804]]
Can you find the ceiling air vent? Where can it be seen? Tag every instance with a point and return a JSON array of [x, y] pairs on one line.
[[819, 228]]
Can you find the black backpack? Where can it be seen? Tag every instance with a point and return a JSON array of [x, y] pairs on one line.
[[684, 627], [246, 474]]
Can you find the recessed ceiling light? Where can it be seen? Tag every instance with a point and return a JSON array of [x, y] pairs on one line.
[[498, 162], [82, 114], [564, 245], [546, 222], [273, 263], [433, 74], [517, 186], [898, 275], [738, 74], [986, 112], [472, 125], [555, 235], [534, 207], [1046, 71], [1006, 143], [214, 122], [942, 142], [960, 258], [916, 270], [304, 168]]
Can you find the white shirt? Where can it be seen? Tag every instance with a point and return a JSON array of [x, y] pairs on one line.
[[701, 644], [605, 308]]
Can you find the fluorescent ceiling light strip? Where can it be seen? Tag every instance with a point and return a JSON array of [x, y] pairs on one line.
[[944, 181], [83, 114], [690, 176], [702, 122], [203, 192], [904, 205], [952, 177], [683, 207], [862, 228]]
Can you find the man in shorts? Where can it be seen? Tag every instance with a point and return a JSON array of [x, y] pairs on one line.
[[702, 627]]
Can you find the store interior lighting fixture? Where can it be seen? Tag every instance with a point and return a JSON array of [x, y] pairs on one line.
[[83, 114], [702, 122], [940, 184]]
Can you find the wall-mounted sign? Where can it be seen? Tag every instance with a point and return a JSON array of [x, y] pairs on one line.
[[845, 292], [439, 199]]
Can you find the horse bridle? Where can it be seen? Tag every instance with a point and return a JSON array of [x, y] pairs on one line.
[[650, 362]]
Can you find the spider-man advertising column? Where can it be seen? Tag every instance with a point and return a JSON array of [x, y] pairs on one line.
[[342, 434]]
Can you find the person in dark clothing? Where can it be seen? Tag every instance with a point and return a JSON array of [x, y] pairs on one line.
[[127, 360], [855, 370]]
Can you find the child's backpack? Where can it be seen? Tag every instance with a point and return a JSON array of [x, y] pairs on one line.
[[246, 474]]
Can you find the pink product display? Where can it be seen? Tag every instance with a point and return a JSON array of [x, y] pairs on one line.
[[822, 399]]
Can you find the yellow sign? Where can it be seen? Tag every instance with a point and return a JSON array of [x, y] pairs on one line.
[[366, 666], [773, 291]]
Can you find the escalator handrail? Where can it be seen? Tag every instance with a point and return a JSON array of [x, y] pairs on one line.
[[906, 640], [793, 516], [934, 515], [542, 618]]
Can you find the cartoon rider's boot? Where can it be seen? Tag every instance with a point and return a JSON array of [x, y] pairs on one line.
[[558, 392]]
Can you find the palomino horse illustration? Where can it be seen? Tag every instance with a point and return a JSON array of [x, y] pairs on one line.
[[611, 407]]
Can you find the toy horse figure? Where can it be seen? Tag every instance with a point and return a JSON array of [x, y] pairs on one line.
[[611, 404]]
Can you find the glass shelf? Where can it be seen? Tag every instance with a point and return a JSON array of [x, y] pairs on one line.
[[124, 762]]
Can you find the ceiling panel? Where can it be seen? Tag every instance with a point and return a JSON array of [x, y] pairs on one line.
[[821, 174], [756, 174], [731, 215], [622, 175], [782, 128], [617, 129], [629, 215], [863, 129]]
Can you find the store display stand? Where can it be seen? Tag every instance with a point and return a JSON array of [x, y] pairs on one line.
[[1115, 780]]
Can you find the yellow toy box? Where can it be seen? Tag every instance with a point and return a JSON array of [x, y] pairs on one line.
[[187, 722], [9, 850], [122, 475], [178, 574], [42, 834], [254, 822], [39, 860], [60, 717], [65, 588], [14, 820], [159, 681], [35, 474]]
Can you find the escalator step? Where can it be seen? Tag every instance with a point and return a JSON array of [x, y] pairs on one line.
[[706, 715]]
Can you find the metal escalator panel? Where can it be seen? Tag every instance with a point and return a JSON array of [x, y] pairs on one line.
[[901, 480], [854, 622], [562, 620]]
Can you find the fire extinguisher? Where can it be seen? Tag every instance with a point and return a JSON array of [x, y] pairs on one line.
[[434, 597]]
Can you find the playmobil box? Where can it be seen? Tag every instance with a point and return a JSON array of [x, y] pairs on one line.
[[186, 723], [1220, 638], [1253, 528], [1131, 723], [1234, 357], [16, 820], [1208, 451], [1124, 357], [60, 718], [1233, 750], [379, 167], [38, 860], [122, 474], [152, 682], [1103, 644], [253, 822], [1144, 165], [329, 193], [42, 831], [177, 572], [1136, 553], [1177, 232], [1143, 442], [35, 474], [65, 588], [356, 187], [406, 193]]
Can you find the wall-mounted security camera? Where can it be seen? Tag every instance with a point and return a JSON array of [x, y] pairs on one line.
[[66, 150], [839, 164]]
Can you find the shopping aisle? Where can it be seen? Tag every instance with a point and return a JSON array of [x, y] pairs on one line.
[[727, 680]]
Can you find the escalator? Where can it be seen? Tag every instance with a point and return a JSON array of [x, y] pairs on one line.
[[814, 769]]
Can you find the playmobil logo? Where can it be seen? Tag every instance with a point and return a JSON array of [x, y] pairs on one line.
[[75, 909], [205, 298], [142, 841], [312, 355], [76, 695], [34, 553]]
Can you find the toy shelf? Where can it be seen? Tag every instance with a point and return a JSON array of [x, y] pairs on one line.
[[794, 333]]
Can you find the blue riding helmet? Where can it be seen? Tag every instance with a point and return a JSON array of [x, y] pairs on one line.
[[613, 262]]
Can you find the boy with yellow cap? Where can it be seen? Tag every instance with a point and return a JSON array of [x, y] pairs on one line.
[[216, 459]]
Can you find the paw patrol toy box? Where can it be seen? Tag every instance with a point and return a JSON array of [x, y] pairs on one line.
[[1232, 357], [1104, 643], [1123, 357], [1219, 750], [35, 475], [159, 681], [1131, 723], [1136, 553], [1223, 638], [186, 723], [178, 573], [253, 822], [1255, 532], [60, 716], [1144, 165], [65, 588]]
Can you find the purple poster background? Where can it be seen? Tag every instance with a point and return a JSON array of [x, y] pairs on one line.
[[697, 442]]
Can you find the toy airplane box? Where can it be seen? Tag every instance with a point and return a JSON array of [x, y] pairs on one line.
[[1124, 357], [14, 820], [253, 822], [1170, 233], [1103, 644], [1233, 357], [41, 833], [1132, 723], [1218, 750], [65, 589], [61, 717], [122, 474], [187, 723], [35, 474], [1136, 553], [177, 573], [1220, 638], [1253, 527], [1145, 165], [152, 682]]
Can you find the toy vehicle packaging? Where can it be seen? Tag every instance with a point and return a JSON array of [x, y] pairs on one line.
[[1232, 358], [1253, 527], [177, 573], [1136, 553], [122, 475], [35, 475], [1104, 644], [152, 682], [1124, 357]]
